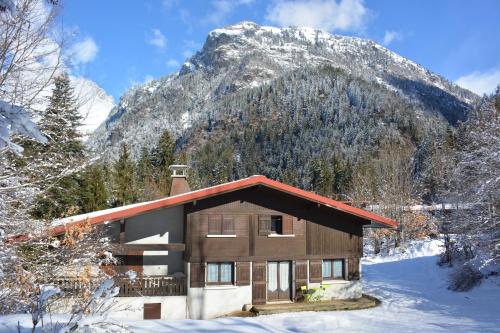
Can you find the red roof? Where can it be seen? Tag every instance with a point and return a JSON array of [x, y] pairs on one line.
[[134, 209]]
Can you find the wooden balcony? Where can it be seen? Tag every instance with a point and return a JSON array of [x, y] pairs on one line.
[[152, 286], [141, 286]]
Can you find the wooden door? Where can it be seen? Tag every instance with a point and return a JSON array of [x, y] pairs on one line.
[[278, 281], [258, 282], [152, 310]]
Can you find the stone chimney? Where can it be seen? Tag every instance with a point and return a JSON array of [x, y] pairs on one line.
[[179, 179]]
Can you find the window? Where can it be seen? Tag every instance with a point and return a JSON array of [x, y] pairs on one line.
[[277, 224], [333, 269], [220, 273], [220, 225]]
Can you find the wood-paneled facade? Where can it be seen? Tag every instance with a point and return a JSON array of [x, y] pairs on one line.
[[306, 240], [246, 241], [254, 240]]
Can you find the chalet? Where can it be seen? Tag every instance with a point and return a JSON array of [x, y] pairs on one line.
[[204, 253]]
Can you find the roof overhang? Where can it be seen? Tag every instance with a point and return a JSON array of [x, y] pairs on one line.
[[118, 213]]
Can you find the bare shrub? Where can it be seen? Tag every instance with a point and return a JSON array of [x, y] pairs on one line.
[[465, 278]]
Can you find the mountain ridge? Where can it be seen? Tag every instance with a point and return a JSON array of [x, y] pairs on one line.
[[247, 56]]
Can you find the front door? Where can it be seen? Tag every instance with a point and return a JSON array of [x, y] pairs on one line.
[[278, 281]]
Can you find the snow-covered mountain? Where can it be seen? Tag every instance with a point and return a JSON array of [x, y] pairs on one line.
[[94, 104], [246, 57], [266, 51]]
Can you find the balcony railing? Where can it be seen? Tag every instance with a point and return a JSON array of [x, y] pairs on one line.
[[141, 286], [152, 286]]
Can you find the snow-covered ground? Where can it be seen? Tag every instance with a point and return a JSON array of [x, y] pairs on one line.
[[414, 299]]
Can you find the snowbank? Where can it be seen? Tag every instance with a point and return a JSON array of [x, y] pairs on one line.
[[416, 249], [414, 295]]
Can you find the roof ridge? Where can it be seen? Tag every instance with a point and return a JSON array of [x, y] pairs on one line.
[[142, 207]]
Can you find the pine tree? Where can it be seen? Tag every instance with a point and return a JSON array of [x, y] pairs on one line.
[[321, 177], [147, 187], [324, 184], [62, 153], [342, 175], [214, 164], [144, 165], [60, 200], [124, 189], [162, 157], [93, 194], [61, 120]]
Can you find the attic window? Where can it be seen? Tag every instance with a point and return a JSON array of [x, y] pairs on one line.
[[277, 224]]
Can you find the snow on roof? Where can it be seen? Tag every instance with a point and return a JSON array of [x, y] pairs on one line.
[[106, 215]]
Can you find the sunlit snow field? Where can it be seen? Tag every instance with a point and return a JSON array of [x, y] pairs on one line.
[[414, 299]]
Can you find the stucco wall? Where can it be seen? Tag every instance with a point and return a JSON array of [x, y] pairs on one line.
[[340, 289], [132, 308], [161, 226], [213, 301], [210, 302]]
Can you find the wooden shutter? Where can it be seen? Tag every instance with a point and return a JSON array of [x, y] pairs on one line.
[[199, 224], [215, 224], [298, 227], [152, 310], [264, 225], [315, 270], [241, 225], [300, 273], [197, 274], [287, 225], [259, 282], [353, 269], [242, 273], [300, 278], [228, 225]]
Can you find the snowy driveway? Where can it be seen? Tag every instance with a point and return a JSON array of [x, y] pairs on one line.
[[414, 299]]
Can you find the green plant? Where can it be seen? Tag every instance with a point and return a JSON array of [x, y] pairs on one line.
[[314, 294]]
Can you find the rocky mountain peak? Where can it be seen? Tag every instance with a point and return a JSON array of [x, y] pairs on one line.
[[247, 56], [259, 53]]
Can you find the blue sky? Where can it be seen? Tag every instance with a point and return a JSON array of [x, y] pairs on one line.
[[120, 43]]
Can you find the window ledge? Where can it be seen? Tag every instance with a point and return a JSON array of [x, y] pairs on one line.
[[224, 287], [335, 282], [221, 236], [279, 236]]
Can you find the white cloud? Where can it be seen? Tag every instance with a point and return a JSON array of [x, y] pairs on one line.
[[172, 63], [391, 36], [328, 15], [480, 82], [222, 8], [157, 39], [83, 52]]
